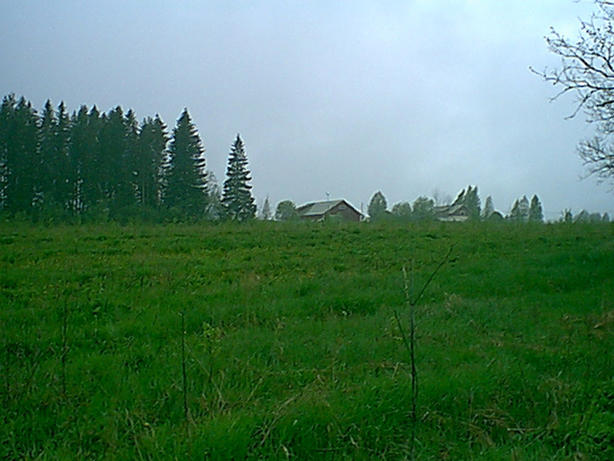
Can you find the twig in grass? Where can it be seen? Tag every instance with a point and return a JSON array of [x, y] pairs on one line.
[[221, 399], [183, 372], [133, 432], [64, 345], [35, 365], [276, 417], [432, 276], [410, 344], [7, 382]]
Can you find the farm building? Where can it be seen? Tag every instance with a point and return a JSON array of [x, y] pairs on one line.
[[456, 212], [336, 209]]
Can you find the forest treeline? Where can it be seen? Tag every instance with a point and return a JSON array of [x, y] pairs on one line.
[[468, 204], [89, 164], [92, 165]]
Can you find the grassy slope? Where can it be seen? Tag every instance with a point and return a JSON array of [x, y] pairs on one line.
[[292, 348]]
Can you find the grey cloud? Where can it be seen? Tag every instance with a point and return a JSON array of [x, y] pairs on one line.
[[339, 97]]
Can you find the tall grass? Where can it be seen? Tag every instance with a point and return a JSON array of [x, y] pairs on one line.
[[290, 344]]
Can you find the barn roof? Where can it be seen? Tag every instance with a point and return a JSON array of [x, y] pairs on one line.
[[454, 212], [321, 208], [317, 208], [455, 209]]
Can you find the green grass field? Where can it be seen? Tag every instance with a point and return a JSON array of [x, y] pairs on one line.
[[291, 345]]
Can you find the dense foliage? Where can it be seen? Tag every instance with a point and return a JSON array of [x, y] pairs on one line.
[[100, 166], [286, 211], [291, 345]]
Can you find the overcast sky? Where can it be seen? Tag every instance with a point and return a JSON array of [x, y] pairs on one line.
[[410, 97]]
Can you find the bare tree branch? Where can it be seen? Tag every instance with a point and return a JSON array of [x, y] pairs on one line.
[[587, 70]]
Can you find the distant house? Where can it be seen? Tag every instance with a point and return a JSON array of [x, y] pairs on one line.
[[451, 213], [337, 209]]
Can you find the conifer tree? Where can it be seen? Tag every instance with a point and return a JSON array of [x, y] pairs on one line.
[[489, 208], [520, 210], [402, 211], [423, 209], [214, 210], [470, 200], [515, 212], [126, 184], [185, 170], [111, 174], [524, 207], [151, 152], [594, 217], [7, 115], [536, 213], [20, 155], [47, 157], [237, 198], [582, 217], [52, 158], [377, 206], [566, 216], [77, 148], [92, 192], [266, 209], [61, 184]]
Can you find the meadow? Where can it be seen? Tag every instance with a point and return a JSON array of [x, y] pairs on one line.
[[278, 341]]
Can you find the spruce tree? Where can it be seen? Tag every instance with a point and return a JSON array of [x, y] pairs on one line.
[[594, 217], [567, 216], [536, 213], [520, 210], [489, 208], [112, 175], [61, 183], [583, 216], [126, 185], [423, 209], [214, 210], [472, 202], [77, 148], [92, 192], [7, 121], [377, 206], [151, 151], [237, 198], [185, 170], [524, 208], [266, 209], [20, 156], [47, 155], [515, 212], [402, 211]]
